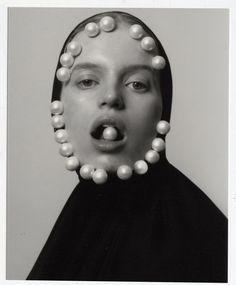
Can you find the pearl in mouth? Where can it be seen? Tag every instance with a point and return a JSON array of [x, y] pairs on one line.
[[110, 133]]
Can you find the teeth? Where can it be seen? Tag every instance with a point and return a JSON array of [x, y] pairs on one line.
[[109, 133]]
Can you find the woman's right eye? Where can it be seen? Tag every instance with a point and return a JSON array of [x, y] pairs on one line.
[[87, 84]]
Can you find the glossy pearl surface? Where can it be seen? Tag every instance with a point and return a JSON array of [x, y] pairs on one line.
[[72, 163], [66, 60], [163, 127], [86, 171], [158, 62], [66, 149], [148, 43], [158, 144], [74, 48], [152, 156], [92, 29], [136, 31], [61, 136], [124, 172], [99, 176], [57, 107], [109, 134], [63, 74], [107, 24], [57, 121], [140, 167]]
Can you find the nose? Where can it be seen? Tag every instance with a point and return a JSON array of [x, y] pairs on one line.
[[112, 99]]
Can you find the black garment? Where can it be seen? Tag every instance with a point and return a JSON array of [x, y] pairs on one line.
[[155, 227]]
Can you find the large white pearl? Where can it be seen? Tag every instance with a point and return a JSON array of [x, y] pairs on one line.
[[61, 136], [66, 60], [66, 149], [163, 127], [158, 62], [57, 107], [148, 43], [74, 48], [152, 156], [99, 176], [109, 134], [136, 31], [107, 24], [63, 74], [140, 167], [124, 172], [86, 171], [57, 121], [158, 144], [92, 29], [72, 163]]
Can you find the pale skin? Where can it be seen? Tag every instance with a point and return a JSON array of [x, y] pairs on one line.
[[112, 78]]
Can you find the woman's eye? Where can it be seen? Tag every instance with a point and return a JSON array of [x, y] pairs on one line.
[[137, 86], [87, 83]]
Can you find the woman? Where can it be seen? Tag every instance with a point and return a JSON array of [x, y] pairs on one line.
[[133, 216]]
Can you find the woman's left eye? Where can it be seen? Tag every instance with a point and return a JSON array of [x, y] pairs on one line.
[[87, 84], [137, 86]]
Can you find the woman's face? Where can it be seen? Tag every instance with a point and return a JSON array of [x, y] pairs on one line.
[[112, 84]]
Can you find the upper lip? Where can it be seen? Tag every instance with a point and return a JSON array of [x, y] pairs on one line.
[[109, 121]]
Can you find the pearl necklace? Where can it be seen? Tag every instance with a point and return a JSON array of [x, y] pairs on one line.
[[74, 49], [100, 175]]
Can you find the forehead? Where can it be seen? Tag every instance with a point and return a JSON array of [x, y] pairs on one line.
[[114, 49]]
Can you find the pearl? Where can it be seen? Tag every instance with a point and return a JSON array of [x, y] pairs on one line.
[[72, 163], [140, 167], [148, 43], [109, 133], [56, 107], [86, 171], [158, 144], [99, 176], [57, 121], [107, 24], [158, 62], [63, 74], [66, 149], [152, 156], [61, 136], [74, 48], [124, 172], [136, 31], [66, 60], [92, 29], [163, 127]]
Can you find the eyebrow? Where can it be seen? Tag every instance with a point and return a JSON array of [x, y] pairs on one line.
[[87, 65], [128, 68]]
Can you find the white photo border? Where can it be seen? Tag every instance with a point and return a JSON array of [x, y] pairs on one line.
[[231, 5]]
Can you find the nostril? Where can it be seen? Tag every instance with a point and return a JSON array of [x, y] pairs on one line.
[[112, 100]]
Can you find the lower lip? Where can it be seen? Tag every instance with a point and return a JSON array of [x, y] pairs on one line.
[[108, 146]]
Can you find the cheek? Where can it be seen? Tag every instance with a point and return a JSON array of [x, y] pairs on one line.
[[77, 114], [146, 112], [77, 107]]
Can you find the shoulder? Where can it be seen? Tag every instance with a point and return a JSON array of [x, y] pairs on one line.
[[189, 200]]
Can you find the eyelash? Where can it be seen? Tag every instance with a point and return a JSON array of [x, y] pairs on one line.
[[81, 83], [142, 87]]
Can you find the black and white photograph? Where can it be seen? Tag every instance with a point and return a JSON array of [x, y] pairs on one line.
[[117, 144]]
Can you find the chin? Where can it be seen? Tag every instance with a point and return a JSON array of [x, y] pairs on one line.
[[110, 162]]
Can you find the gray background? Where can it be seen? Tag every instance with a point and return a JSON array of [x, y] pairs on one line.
[[196, 42]]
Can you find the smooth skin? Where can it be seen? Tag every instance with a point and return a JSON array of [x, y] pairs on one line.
[[112, 77]]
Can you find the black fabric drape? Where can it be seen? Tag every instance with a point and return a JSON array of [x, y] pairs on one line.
[[155, 227]]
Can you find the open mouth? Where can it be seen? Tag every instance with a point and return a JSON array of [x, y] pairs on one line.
[[108, 133]]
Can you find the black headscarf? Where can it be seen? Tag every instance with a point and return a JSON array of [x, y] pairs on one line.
[[153, 227]]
